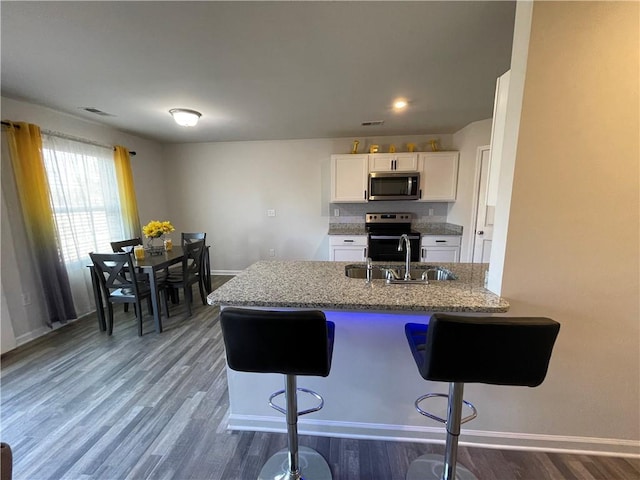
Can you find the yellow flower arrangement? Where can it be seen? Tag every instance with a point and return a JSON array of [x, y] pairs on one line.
[[155, 228]]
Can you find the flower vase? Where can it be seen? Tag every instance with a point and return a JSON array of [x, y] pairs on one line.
[[155, 245]]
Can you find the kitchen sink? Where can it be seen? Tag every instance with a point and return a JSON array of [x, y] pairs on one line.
[[360, 271], [394, 273]]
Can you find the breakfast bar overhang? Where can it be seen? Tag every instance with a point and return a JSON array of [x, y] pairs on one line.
[[373, 384]]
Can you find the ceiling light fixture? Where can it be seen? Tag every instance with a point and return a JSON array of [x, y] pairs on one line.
[[400, 104], [185, 117]]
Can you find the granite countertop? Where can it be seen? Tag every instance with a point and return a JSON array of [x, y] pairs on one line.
[[323, 285], [423, 228], [347, 229], [437, 228]]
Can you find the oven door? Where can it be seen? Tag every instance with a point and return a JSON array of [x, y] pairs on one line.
[[384, 248]]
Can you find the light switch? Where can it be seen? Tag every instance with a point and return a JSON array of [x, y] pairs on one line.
[[271, 212]]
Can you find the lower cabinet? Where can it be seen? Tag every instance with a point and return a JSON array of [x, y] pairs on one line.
[[440, 248], [348, 248]]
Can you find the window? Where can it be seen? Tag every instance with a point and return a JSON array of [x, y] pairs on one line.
[[84, 197]]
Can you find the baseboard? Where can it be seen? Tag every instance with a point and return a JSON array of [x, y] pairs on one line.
[[225, 272], [468, 438], [41, 331], [32, 335]]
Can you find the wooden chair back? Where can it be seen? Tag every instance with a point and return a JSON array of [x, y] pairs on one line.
[[118, 247], [188, 237], [118, 280], [192, 263]]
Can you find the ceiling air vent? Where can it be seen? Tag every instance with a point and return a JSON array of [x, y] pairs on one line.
[[97, 112], [373, 123]]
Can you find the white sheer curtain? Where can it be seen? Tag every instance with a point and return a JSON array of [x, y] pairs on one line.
[[86, 207]]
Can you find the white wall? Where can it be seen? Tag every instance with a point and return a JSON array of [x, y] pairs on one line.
[[461, 212], [226, 189], [572, 250], [18, 273]]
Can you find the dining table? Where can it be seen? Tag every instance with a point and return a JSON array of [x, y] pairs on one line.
[[149, 265]]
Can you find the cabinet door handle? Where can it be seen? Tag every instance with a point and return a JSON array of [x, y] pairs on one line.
[[441, 241], [365, 194], [348, 241], [424, 252], [481, 232], [420, 193]]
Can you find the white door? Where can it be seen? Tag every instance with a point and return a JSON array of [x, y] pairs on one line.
[[485, 212]]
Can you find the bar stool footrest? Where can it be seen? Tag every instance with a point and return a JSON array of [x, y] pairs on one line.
[[301, 412], [468, 418]]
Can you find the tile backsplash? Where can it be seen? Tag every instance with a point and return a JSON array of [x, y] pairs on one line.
[[355, 212]]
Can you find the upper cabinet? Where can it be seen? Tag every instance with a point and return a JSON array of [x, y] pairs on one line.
[[393, 162], [349, 178], [438, 176]]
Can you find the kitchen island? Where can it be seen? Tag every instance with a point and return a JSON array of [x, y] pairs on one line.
[[373, 381]]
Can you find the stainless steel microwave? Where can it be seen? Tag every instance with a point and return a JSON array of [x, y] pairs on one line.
[[394, 186]]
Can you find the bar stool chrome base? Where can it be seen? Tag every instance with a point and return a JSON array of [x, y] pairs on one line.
[[431, 467], [312, 466]]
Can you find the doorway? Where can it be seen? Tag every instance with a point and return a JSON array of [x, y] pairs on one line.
[[484, 211]]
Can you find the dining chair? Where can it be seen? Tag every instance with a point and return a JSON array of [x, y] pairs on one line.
[[118, 247], [190, 274], [125, 246], [119, 283], [188, 237]]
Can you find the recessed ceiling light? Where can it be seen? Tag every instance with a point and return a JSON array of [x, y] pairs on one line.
[[185, 117], [400, 104]]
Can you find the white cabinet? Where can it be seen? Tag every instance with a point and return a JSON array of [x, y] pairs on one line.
[[440, 248], [348, 248], [349, 177], [393, 162], [438, 176]]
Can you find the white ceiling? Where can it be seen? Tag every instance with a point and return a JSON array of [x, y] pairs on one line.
[[259, 70]]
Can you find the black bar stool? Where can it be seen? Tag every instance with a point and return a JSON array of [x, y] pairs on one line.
[[292, 343], [459, 350]]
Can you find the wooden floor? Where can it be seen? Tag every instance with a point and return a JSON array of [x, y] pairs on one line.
[[77, 404]]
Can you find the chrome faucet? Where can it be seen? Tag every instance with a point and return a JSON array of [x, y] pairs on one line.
[[407, 262], [369, 270]]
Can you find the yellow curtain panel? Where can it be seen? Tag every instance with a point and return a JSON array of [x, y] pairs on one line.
[[25, 148], [127, 192]]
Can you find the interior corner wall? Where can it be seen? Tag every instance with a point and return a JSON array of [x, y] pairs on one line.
[[467, 141], [572, 249]]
